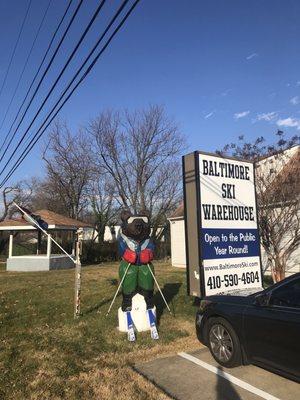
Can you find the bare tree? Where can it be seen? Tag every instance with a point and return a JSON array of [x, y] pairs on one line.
[[43, 195], [75, 185], [19, 193], [140, 152], [278, 192], [9, 195], [102, 202], [69, 169]]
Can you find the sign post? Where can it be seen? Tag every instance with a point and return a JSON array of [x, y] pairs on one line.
[[222, 237]]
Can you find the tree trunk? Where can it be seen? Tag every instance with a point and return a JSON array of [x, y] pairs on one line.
[[278, 271]]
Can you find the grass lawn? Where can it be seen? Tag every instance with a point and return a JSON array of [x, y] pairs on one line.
[[45, 354]]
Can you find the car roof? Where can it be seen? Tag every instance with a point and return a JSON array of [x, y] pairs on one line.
[[284, 281]]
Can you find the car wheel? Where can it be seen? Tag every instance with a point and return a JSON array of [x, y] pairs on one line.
[[223, 343]]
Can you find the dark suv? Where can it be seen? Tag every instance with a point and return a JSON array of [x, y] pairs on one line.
[[262, 328]]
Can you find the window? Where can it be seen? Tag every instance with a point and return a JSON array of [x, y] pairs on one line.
[[287, 295]]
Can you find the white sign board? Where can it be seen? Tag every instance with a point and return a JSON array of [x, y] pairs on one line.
[[229, 237]]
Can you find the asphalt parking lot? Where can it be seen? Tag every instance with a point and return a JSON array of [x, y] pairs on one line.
[[196, 375]]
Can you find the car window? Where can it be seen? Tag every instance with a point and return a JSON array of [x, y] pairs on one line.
[[287, 295]]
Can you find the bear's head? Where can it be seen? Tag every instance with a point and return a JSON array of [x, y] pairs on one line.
[[135, 226]]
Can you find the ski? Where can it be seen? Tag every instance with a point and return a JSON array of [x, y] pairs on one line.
[[130, 327], [152, 323]]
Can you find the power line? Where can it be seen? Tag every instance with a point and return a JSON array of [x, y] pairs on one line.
[[43, 76], [15, 47], [120, 9], [87, 70], [42, 130], [26, 62], [36, 74], [55, 83]]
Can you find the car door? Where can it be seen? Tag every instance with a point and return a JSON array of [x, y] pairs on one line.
[[272, 331]]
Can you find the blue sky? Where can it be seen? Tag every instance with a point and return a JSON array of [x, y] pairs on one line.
[[220, 68]]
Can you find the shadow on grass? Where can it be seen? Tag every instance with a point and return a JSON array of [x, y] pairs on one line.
[[113, 281], [170, 290], [99, 305]]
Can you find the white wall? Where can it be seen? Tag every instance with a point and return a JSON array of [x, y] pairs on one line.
[[108, 237], [178, 243], [89, 234], [293, 264], [274, 164]]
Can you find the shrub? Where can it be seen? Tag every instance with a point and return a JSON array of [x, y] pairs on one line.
[[93, 253], [99, 252]]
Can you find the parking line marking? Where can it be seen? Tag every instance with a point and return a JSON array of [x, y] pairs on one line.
[[229, 377]]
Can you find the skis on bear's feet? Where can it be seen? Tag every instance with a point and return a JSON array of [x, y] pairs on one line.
[[152, 323], [130, 327]]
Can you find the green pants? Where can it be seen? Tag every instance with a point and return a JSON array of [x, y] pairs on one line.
[[137, 276]]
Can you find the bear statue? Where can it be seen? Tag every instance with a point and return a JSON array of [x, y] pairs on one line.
[[136, 248]]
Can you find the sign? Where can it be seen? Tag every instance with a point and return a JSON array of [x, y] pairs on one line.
[[227, 247]]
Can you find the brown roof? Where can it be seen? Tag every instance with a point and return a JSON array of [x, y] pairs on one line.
[[13, 222], [179, 212], [51, 218]]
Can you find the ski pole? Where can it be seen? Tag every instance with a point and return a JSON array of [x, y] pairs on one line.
[[162, 295], [113, 300]]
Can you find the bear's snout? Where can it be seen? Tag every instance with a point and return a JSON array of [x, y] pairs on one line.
[[139, 225]]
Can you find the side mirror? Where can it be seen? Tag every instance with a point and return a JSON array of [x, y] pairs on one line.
[[262, 299]]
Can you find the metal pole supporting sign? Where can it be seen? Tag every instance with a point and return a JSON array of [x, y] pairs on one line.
[[78, 273]]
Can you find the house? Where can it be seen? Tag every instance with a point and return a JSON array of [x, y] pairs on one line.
[[110, 234], [272, 165], [178, 255], [281, 174]]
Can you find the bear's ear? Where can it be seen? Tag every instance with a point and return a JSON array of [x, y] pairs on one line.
[[125, 214], [145, 213]]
